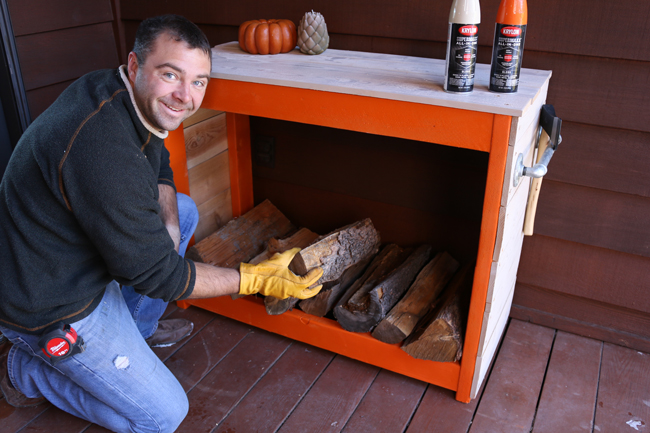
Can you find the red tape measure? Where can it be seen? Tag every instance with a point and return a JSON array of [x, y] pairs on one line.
[[60, 341]]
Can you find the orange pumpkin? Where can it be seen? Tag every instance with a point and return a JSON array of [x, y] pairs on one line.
[[267, 36]]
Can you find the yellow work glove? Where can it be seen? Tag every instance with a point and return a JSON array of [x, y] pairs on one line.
[[272, 277]]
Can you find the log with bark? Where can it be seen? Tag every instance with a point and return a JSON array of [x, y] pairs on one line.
[[382, 285], [331, 293], [242, 238], [402, 318], [334, 253], [439, 335]]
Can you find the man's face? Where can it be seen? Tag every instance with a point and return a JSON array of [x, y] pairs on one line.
[[170, 86]]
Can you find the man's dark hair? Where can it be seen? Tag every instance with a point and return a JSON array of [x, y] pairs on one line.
[[178, 27]]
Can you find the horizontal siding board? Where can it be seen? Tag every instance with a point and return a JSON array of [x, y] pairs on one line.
[[54, 57], [623, 320], [41, 98], [590, 28], [604, 158], [205, 140], [213, 214], [586, 329], [581, 33], [38, 16], [412, 19], [378, 44], [580, 270], [209, 178], [594, 217], [591, 90]]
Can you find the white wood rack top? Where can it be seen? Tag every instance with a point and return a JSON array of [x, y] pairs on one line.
[[387, 76]]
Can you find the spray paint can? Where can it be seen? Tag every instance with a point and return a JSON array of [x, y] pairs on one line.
[[508, 48], [462, 44]]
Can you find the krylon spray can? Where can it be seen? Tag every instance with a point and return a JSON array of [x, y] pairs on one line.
[[508, 48], [462, 44]]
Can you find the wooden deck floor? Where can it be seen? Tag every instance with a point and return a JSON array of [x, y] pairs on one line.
[[241, 379]]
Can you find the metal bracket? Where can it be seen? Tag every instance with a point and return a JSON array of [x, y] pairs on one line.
[[551, 124]]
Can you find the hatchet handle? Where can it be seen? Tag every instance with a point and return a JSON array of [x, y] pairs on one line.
[[535, 186]]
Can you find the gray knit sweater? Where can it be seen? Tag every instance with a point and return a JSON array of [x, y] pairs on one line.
[[79, 208]]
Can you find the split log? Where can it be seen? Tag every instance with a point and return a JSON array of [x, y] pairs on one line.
[[332, 292], [439, 336], [404, 316], [381, 291], [242, 238], [390, 257], [334, 253]]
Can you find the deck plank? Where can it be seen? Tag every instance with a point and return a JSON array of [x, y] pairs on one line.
[[198, 316], [388, 405], [266, 407], [222, 389], [569, 395], [14, 419], [624, 391], [333, 398], [206, 349], [510, 398], [55, 420], [242, 379], [440, 412]]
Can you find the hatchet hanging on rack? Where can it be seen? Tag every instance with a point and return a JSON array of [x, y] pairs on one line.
[[548, 139]]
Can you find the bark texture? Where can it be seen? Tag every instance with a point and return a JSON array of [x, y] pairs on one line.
[[383, 284], [404, 316], [334, 253], [440, 335]]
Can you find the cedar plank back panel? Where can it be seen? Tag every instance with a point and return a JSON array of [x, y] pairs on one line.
[[586, 267], [58, 41]]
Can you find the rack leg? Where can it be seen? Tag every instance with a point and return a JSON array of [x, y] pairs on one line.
[[241, 167], [487, 240]]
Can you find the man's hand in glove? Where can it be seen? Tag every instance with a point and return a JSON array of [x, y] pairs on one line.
[[272, 277]]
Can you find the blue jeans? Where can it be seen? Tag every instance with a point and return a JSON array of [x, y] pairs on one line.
[[117, 382]]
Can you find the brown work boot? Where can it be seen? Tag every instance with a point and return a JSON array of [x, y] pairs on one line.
[[5, 345], [170, 331], [14, 397]]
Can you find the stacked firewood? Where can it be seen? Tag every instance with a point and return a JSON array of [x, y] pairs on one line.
[[410, 296]]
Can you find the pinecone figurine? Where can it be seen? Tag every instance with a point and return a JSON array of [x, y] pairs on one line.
[[312, 34]]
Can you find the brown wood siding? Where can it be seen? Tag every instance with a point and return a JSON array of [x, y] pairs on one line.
[[38, 16], [586, 268], [58, 41]]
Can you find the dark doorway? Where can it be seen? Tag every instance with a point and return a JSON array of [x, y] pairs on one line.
[[14, 111]]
